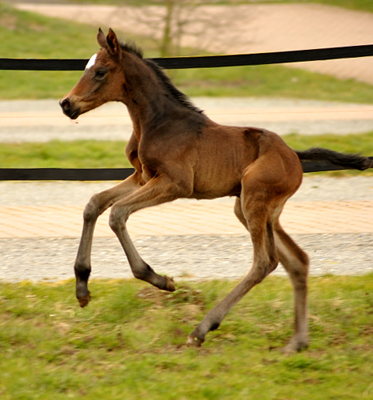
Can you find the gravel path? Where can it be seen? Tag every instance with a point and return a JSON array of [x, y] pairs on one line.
[[194, 257]]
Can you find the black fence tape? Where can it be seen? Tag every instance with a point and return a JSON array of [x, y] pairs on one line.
[[102, 174], [65, 174], [281, 57], [111, 174]]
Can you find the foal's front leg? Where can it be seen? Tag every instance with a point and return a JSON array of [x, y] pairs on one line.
[[95, 207], [158, 190]]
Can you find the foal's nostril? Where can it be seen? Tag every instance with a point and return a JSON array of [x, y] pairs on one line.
[[65, 104], [70, 108]]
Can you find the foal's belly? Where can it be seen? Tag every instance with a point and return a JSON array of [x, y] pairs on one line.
[[216, 185]]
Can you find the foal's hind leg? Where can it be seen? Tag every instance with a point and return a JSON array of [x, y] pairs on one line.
[[258, 218], [95, 207], [296, 263]]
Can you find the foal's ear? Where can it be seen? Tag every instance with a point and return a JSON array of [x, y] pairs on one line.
[[112, 43], [101, 39]]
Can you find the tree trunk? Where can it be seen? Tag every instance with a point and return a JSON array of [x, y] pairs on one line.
[[166, 46]]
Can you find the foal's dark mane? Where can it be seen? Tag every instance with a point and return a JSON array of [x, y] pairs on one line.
[[175, 93]]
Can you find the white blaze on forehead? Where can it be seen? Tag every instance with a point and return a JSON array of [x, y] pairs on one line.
[[91, 62]]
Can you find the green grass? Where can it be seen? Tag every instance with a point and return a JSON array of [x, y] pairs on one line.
[[61, 154], [361, 5], [360, 143], [271, 81], [129, 342], [28, 35], [110, 154], [259, 81]]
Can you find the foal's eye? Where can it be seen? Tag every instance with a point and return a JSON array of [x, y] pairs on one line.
[[100, 73]]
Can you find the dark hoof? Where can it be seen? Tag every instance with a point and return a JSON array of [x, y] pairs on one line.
[[170, 284], [83, 301], [194, 341], [295, 346]]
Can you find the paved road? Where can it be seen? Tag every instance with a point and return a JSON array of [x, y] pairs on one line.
[[43, 120]]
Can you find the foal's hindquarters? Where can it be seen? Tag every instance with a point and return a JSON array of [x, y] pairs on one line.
[[267, 183]]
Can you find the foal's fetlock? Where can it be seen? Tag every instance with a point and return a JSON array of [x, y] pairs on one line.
[[147, 274]]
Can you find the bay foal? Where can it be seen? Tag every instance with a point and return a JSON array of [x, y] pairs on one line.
[[178, 152]]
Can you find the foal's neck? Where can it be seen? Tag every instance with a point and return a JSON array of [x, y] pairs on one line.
[[146, 109], [148, 100]]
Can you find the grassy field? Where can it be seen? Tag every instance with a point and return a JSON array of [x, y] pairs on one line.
[[61, 154], [110, 154], [129, 342], [361, 5], [28, 35]]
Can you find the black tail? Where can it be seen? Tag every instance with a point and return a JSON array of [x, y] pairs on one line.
[[348, 161]]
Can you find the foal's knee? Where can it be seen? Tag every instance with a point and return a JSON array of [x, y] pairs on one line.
[[92, 209], [142, 271]]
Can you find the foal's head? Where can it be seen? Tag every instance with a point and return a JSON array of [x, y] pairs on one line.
[[103, 79]]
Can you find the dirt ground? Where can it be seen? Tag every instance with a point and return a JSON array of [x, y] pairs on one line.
[[245, 29]]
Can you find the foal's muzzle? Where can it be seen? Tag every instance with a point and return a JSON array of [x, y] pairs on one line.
[[68, 109]]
